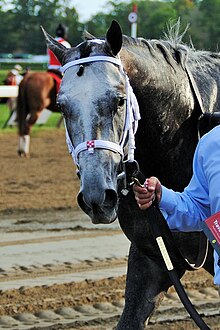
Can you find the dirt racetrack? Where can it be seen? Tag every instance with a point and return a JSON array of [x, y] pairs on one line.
[[57, 270], [45, 181]]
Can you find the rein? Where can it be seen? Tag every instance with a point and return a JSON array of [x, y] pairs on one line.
[[131, 122], [166, 245]]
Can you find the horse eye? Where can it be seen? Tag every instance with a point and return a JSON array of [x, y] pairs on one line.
[[121, 101], [81, 70]]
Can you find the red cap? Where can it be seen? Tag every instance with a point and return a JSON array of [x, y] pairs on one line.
[[134, 8]]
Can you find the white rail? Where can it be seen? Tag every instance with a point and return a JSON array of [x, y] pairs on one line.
[[12, 91], [8, 91]]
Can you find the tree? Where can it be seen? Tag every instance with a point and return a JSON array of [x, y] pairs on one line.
[[25, 18], [153, 17], [20, 21], [208, 23]]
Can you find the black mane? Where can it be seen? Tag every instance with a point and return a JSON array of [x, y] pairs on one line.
[[173, 49]]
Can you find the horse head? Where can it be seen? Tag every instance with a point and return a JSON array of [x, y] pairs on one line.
[[93, 99]]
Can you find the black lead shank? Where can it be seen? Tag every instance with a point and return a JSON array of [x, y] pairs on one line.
[[158, 225]]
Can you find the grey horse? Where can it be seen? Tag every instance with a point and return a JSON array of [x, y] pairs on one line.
[[174, 85]]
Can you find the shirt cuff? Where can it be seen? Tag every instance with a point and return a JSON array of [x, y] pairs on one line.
[[168, 200]]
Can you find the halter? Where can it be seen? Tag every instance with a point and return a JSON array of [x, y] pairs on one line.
[[131, 122]]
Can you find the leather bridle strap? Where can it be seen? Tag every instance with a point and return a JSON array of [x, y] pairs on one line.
[[132, 117], [98, 144], [91, 59]]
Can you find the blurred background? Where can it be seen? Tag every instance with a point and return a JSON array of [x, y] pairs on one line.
[[20, 21], [22, 41]]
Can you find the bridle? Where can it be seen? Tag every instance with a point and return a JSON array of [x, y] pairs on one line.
[[131, 121]]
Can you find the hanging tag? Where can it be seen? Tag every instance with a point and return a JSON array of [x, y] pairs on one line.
[[211, 227], [90, 146]]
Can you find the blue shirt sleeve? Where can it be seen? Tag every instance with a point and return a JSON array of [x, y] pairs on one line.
[[201, 198]]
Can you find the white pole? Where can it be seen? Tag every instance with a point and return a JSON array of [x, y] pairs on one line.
[[134, 30], [132, 17]]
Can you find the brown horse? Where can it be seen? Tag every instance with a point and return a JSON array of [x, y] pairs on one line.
[[37, 91]]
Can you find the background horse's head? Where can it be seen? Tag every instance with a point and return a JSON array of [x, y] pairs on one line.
[[92, 99]]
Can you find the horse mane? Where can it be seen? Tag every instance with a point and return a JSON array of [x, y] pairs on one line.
[[87, 36], [172, 47]]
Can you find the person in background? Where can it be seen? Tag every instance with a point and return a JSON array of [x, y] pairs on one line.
[[61, 36], [185, 211], [13, 78]]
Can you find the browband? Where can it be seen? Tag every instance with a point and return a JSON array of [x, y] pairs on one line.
[[91, 59]]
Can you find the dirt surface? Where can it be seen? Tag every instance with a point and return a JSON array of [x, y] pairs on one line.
[[57, 270], [45, 181]]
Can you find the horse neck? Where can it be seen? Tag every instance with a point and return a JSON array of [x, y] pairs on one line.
[[157, 86], [205, 69], [166, 103]]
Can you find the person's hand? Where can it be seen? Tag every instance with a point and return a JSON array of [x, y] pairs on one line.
[[147, 194]]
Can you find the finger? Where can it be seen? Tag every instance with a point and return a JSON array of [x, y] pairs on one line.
[[152, 183], [142, 201], [145, 206], [139, 189], [145, 195]]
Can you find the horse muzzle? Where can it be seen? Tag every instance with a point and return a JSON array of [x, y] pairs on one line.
[[101, 206]]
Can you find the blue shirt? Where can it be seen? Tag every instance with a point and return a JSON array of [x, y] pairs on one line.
[[201, 198]]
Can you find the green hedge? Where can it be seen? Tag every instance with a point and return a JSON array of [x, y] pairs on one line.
[[33, 66], [7, 66]]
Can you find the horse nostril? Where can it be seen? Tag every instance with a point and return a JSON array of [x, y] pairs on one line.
[[108, 200], [82, 204], [94, 207], [102, 209], [111, 198]]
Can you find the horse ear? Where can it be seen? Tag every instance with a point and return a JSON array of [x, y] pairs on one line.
[[87, 36], [114, 37], [57, 48]]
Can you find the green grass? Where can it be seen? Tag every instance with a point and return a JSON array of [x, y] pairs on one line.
[[4, 114], [3, 75]]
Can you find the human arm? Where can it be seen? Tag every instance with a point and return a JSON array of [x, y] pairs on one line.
[[201, 198], [184, 211], [180, 210]]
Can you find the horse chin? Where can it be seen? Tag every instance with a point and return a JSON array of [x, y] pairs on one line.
[[98, 214]]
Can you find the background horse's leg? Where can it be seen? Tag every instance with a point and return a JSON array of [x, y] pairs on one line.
[[34, 95], [11, 103], [24, 140], [143, 290]]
